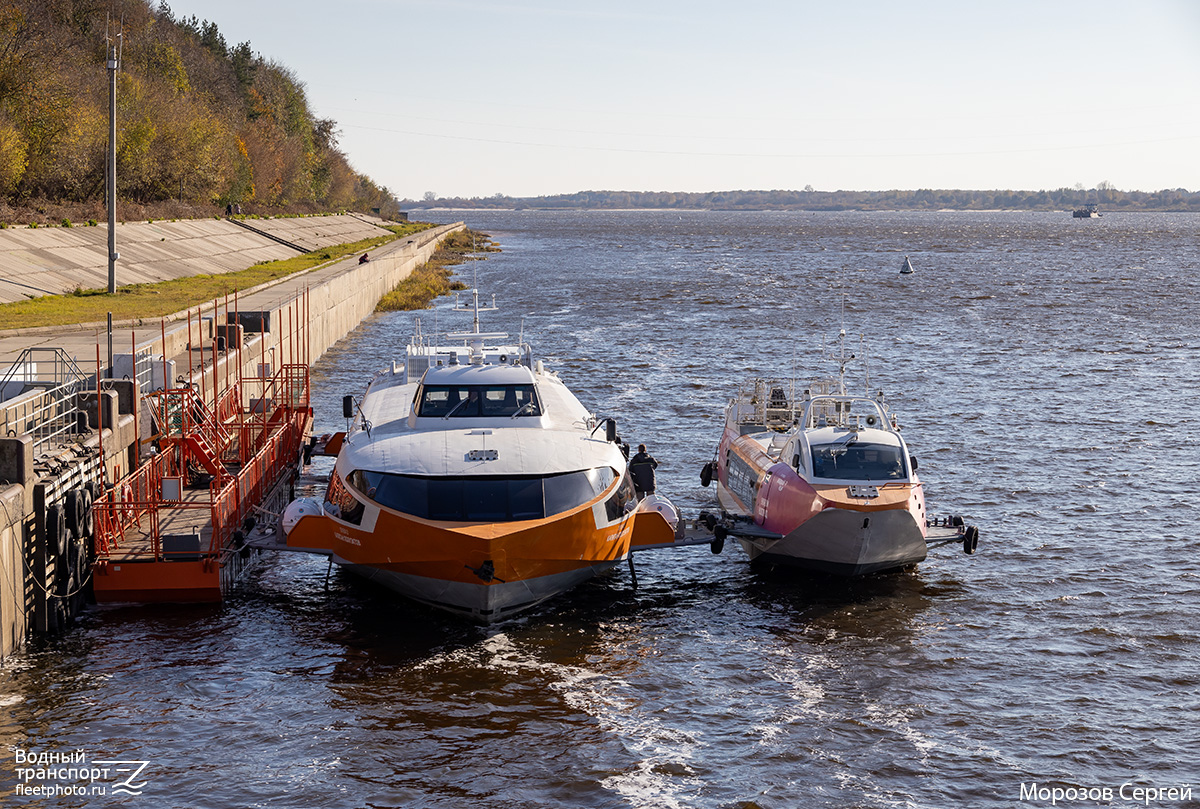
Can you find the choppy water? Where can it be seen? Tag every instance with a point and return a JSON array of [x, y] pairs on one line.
[[1046, 372]]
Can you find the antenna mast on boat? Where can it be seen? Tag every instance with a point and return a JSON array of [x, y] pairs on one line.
[[862, 341]]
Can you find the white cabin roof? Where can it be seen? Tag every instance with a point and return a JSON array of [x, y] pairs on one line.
[[559, 440], [479, 375]]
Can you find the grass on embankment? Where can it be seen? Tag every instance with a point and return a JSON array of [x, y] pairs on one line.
[[432, 279], [148, 301]]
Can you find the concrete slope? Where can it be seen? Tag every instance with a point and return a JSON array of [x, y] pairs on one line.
[[314, 232], [54, 261]]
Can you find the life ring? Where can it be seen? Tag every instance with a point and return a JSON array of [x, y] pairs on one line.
[[56, 530], [128, 510], [706, 474]]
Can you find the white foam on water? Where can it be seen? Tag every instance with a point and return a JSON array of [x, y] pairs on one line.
[[662, 777]]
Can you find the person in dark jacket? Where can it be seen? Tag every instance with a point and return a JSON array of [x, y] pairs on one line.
[[641, 469]]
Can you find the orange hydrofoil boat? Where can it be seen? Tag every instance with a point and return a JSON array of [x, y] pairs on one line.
[[473, 480]]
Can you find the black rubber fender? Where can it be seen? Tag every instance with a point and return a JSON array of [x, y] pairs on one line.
[[89, 516], [74, 507], [970, 539], [706, 474], [56, 530]]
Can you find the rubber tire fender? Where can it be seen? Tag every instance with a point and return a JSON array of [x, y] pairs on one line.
[[89, 518], [56, 530], [74, 507]]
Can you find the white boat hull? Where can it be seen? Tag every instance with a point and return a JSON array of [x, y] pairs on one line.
[[486, 603], [846, 543]]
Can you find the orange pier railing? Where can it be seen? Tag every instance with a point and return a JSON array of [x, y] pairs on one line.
[[174, 530]]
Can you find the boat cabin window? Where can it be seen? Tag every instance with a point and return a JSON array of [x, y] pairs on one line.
[[477, 401], [857, 461], [483, 498]]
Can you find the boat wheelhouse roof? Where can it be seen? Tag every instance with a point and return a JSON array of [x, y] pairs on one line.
[[478, 375], [482, 452]]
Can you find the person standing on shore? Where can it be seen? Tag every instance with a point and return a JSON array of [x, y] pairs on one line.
[[641, 469]]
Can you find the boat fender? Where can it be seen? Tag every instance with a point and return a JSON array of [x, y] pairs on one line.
[[89, 514], [717, 545], [248, 524], [56, 530], [913, 460], [709, 520], [73, 508], [720, 532], [239, 543], [970, 539], [348, 406], [872, 421], [706, 473]]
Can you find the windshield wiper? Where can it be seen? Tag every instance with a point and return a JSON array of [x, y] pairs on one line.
[[528, 405], [454, 409], [841, 450]]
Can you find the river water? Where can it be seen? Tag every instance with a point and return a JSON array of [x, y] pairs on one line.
[[1046, 374]]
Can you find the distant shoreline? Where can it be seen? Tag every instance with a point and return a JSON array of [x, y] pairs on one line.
[[1105, 197], [581, 209]]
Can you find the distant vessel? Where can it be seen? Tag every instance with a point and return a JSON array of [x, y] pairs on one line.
[[906, 268], [1086, 212]]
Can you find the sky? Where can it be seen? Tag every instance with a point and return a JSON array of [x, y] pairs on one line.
[[530, 98]]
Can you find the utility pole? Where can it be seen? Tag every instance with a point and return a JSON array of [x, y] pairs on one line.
[[113, 255]]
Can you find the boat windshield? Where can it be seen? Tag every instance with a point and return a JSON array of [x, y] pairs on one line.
[[857, 461], [487, 498], [478, 401]]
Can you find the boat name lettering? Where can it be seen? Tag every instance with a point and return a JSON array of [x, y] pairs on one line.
[[344, 537], [1127, 791], [742, 478]]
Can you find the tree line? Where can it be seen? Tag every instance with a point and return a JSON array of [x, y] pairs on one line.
[[199, 120], [1105, 196]]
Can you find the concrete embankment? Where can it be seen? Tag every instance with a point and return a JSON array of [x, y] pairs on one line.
[[58, 438], [53, 261]]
